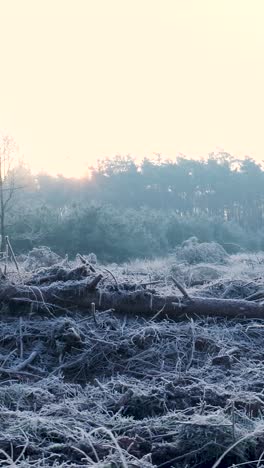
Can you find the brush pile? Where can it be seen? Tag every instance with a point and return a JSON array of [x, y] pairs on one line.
[[81, 387]]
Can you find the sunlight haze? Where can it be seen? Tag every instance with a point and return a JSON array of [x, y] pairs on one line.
[[86, 79]]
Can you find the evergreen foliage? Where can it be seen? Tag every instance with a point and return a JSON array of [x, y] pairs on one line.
[[125, 210]]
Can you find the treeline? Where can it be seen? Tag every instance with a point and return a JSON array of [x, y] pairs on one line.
[[125, 209]]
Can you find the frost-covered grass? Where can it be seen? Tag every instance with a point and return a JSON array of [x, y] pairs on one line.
[[159, 390], [117, 392]]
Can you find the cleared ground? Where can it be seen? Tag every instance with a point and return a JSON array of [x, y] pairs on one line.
[[114, 392]]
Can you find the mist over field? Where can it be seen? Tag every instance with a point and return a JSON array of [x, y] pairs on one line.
[[125, 210]]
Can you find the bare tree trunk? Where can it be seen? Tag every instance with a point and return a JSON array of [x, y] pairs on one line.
[[139, 303]]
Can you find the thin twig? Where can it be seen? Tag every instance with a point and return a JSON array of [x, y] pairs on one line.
[[192, 348], [233, 422], [181, 289], [16, 372], [85, 262], [159, 312], [150, 282], [186, 455], [94, 313], [27, 361], [21, 337], [6, 259], [12, 253], [113, 276]]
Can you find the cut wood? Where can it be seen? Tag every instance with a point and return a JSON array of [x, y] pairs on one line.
[[137, 303]]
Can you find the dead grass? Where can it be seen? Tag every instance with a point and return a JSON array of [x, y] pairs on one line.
[[127, 393]]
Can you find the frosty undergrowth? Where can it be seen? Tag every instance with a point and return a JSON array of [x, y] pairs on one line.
[[119, 392]]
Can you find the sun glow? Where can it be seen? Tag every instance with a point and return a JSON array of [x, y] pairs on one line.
[[89, 79]]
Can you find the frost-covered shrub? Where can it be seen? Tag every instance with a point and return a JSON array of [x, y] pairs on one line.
[[207, 252], [41, 257]]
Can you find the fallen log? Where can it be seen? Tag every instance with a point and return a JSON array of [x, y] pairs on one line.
[[136, 303]]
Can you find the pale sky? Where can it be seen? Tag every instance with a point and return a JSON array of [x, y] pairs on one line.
[[85, 79]]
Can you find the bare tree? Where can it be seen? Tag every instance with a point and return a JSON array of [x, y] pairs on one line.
[[7, 180]]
